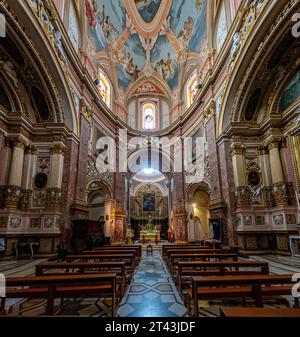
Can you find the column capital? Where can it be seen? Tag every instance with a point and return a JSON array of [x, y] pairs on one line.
[[261, 150], [19, 142], [237, 149], [31, 149], [273, 145], [57, 149], [85, 110]]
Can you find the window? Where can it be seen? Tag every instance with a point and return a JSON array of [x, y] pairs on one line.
[[104, 88], [222, 30], [148, 110], [192, 90]]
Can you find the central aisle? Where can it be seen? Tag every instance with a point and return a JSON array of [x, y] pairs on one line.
[[152, 292]]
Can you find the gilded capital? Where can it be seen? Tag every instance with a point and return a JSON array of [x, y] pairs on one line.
[[261, 150], [237, 150], [19, 143], [31, 149], [85, 109], [273, 145], [57, 149]]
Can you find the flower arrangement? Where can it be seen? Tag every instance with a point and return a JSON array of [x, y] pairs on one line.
[[129, 235]]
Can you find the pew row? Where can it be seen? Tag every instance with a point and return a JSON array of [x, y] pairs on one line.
[[62, 286], [218, 268], [258, 312], [128, 258], [174, 258], [59, 268], [247, 286]]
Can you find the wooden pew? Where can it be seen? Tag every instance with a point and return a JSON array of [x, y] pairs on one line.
[[128, 258], [253, 286], [198, 256], [219, 268], [165, 248], [137, 248], [259, 312], [113, 252], [57, 268], [62, 286], [190, 251]]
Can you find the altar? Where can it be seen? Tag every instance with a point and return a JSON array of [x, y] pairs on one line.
[[150, 235]]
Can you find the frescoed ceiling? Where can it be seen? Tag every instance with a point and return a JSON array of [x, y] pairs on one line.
[[146, 38]]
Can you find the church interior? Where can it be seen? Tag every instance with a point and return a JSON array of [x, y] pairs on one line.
[[150, 158]]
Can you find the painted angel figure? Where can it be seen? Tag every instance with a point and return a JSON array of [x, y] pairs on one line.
[[199, 5], [186, 34], [168, 69]]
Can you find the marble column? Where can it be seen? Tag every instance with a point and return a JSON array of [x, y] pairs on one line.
[[279, 185], [56, 176], [179, 212], [79, 204], [15, 175], [264, 163], [239, 174], [30, 161], [108, 206], [5, 155]]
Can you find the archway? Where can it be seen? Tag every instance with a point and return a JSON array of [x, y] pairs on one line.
[[198, 204], [100, 204], [96, 206], [198, 229]]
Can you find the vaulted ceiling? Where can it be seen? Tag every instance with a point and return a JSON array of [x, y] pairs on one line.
[[144, 39]]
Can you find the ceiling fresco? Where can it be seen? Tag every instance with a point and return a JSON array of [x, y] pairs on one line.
[[132, 61], [188, 22], [106, 21], [147, 8], [178, 29], [163, 61]]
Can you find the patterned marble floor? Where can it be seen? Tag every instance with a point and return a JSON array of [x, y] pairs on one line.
[[152, 292]]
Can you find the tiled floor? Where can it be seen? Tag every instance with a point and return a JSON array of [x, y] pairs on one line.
[[152, 292]]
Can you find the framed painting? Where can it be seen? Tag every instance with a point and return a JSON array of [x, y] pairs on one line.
[[149, 203]]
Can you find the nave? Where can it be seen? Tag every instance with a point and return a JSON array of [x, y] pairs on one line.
[[154, 281]]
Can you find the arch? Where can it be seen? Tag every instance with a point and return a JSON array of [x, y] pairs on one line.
[[252, 52], [160, 160], [97, 184], [141, 185], [155, 79], [198, 205], [290, 94], [5, 100], [46, 61]]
